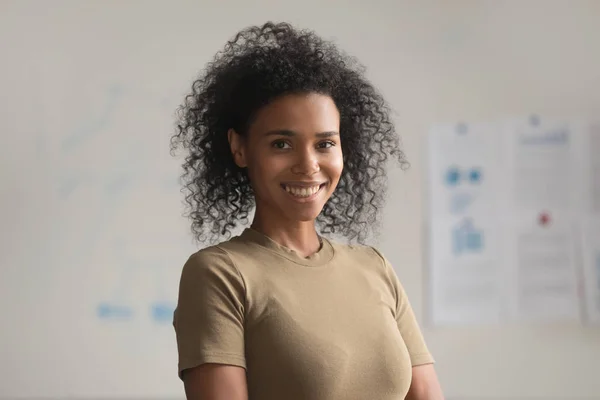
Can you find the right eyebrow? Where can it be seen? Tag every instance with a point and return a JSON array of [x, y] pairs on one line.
[[289, 133]]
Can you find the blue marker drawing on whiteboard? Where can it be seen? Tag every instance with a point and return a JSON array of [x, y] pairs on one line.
[[466, 238], [118, 184], [115, 312], [534, 120], [113, 183], [95, 125], [162, 312], [69, 184], [163, 305], [117, 307], [462, 129]]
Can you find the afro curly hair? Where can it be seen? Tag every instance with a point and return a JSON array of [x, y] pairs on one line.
[[260, 64]]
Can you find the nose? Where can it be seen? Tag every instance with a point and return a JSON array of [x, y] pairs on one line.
[[306, 163]]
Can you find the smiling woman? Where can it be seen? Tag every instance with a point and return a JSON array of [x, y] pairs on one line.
[[293, 156], [283, 123]]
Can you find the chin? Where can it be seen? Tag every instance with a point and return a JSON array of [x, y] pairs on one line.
[[305, 215], [307, 218]]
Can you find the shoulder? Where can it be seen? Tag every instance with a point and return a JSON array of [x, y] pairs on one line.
[[212, 257], [210, 265], [216, 256], [367, 257], [362, 254], [355, 249]]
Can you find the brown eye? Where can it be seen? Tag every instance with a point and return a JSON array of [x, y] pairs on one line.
[[280, 144], [326, 144]]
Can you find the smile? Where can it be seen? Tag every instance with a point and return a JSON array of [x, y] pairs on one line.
[[303, 192]]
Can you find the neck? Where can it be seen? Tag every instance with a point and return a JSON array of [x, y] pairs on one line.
[[300, 236]]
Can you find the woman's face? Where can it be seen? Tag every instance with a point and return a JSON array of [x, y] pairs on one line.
[[293, 155]]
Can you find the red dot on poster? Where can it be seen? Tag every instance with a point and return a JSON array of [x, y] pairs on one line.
[[544, 219]]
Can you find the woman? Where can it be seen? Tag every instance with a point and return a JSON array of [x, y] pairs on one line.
[[283, 124]]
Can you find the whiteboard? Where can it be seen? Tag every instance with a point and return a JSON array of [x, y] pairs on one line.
[[93, 241]]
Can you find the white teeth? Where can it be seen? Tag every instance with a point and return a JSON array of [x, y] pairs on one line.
[[302, 192]]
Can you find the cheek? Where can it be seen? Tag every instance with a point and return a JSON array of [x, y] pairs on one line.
[[264, 170], [335, 166]]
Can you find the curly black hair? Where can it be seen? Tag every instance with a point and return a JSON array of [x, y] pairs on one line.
[[257, 66]]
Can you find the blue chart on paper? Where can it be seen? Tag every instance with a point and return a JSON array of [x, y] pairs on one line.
[[467, 238], [463, 184], [456, 176]]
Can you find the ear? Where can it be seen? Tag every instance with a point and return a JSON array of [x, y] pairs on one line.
[[236, 144]]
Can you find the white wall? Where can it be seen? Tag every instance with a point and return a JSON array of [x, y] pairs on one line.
[[88, 199]]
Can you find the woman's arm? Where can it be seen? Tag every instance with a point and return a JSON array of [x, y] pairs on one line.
[[215, 382], [209, 327], [425, 384]]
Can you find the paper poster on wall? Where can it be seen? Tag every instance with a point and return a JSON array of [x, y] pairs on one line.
[[590, 222], [591, 269], [464, 169], [543, 270], [465, 233], [466, 276], [588, 160], [545, 196], [542, 165], [505, 205]]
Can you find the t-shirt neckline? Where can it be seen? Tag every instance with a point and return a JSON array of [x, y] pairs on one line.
[[320, 258]]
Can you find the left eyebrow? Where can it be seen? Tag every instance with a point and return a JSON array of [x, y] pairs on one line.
[[327, 134], [285, 132]]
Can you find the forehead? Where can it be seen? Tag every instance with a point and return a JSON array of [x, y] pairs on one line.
[[302, 113]]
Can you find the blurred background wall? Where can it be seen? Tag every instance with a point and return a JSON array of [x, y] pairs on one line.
[[92, 240]]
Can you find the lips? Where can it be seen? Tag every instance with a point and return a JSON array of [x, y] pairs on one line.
[[302, 190]]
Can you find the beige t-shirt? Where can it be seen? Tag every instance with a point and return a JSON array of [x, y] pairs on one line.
[[336, 325]]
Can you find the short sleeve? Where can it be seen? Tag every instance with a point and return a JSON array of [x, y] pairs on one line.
[[407, 321], [209, 316]]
